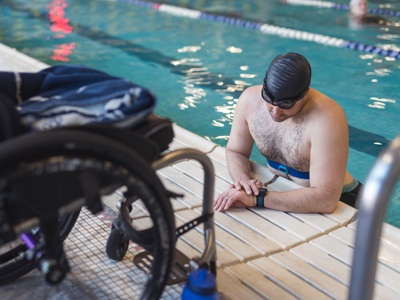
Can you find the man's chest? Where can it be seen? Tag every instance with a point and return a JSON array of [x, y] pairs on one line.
[[283, 143]]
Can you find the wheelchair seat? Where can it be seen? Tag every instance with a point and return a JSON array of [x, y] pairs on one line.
[[149, 138]]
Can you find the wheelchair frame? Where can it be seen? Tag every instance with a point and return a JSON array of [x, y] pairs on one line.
[[207, 260], [209, 254]]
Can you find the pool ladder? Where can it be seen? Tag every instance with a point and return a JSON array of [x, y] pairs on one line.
[[373, 201]]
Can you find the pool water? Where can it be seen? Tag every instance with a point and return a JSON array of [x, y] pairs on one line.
[[198, 68]]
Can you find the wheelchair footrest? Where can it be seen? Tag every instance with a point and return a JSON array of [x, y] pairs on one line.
[[179, 271]]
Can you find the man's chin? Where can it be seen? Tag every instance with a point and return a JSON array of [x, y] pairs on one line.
[[280, 118]]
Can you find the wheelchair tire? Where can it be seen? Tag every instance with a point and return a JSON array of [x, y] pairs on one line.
[[117, 245], [13, 263], [67, 222], [110, 157]]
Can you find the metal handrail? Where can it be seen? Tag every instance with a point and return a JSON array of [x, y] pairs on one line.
[[373, 202]]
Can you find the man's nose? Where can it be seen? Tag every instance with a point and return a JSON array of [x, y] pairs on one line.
[[276, 110]]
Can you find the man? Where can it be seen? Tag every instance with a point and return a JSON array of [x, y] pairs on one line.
[[303, 134], [358, 7], [358, 16]]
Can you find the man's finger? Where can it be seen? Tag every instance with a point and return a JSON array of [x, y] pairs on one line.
[[254, 188], [229, 203], [223, 203], [216, 204], [219, 206], [238, 186], [218, 201], [247, 188]]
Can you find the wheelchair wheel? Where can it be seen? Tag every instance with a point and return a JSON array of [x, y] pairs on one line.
[[62, 168], [117, 245], [13, 261]]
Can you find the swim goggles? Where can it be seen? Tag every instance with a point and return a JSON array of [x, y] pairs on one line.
[[286, 103]]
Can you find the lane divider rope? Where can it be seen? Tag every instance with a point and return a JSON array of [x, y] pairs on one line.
[[326, 4], [268, 29]]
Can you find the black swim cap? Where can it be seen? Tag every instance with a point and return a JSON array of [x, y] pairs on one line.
[[288, 76]]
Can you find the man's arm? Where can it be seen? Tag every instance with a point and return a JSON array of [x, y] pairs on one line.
[[237, 153], [239, 147]]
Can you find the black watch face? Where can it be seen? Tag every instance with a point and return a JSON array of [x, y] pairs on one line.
[[262, 191]]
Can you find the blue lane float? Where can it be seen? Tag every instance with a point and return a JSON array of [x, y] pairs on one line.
[[326, 4], [271, 29]]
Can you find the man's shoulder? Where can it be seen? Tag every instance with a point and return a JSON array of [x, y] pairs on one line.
[[252, 91], [251, 96], [328, 112], [325, 106]]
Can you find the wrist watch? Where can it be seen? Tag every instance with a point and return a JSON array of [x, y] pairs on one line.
[[260, 197]]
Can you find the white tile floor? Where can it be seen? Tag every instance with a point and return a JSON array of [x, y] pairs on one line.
[[107, 279]]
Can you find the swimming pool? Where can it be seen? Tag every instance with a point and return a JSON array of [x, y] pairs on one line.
[[198, 68]]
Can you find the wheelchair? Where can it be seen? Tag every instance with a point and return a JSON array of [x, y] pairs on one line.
[[46, 177]]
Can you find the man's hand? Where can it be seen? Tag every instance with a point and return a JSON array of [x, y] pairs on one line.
[[250, 187], [233, 197]]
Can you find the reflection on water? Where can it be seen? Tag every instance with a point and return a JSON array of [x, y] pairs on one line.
[[59, 25], [379, 72], [189, 49], [380, 103], [63, 51], [234, 50], [220, 137], [248, 75], [197, 75], [390, 37]]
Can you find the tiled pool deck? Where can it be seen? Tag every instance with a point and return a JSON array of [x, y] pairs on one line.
[[261, 253]]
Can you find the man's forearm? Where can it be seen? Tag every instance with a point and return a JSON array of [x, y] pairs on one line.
[[304, 200], [238, 166]]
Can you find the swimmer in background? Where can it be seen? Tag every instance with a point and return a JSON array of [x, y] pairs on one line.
[[359, 17], [302, 133], [358, 7]]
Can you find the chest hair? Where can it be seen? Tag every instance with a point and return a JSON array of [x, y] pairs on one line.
[[282, 142]]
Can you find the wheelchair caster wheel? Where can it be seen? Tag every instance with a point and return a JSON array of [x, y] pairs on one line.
[[54, 271], [55, 275], [117, 245]]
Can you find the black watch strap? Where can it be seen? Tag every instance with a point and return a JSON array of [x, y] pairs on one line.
[[260, 197]]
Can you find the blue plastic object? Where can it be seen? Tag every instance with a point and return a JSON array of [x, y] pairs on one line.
[[288, 170], [201, 285]]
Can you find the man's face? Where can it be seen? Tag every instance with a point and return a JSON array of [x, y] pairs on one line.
[[279, 115], [359, 7]]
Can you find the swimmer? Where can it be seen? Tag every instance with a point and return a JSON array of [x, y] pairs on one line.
[[358, 7], [359, 17], [302, 133]]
